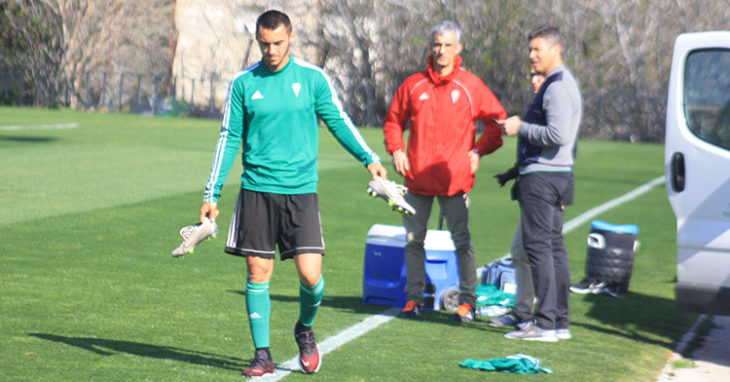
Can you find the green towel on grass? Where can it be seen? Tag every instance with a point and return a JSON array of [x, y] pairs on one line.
[[516, 363]]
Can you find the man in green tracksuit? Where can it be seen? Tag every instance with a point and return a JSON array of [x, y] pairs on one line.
[[271, 113]]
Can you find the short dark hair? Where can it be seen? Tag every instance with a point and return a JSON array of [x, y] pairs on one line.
[[548, 32], [273, 19]]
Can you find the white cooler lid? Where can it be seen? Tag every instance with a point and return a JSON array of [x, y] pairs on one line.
[[393, 235]]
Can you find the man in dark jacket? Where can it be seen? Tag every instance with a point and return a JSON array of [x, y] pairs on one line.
[[546, 154]]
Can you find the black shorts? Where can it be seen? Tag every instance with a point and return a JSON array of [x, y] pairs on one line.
[[262, 220]]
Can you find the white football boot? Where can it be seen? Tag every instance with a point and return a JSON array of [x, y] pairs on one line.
[[392, 193], [193, 235]]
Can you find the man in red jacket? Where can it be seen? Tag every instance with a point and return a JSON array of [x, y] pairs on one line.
[[441, 104]]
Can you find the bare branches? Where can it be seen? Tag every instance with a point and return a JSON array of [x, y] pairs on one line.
[[69, 38], [618, 49]]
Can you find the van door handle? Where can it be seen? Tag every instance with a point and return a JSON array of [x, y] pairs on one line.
[[678, 172]]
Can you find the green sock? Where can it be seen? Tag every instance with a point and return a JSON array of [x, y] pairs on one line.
[[309, 300], [258, 306]]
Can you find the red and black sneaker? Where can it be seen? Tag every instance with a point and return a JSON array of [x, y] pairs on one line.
[[412, 310], [262, 364], [465, 313], [309, 359]]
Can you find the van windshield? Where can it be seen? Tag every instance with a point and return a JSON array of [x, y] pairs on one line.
[[707, 95]]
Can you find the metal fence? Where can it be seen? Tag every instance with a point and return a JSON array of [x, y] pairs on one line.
[[612, 114], [150, 94]]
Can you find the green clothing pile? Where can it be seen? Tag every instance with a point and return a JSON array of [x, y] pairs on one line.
[[489, 294], [516, 363]]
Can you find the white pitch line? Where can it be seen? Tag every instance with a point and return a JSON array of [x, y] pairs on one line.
[[332, 343], [593, 212], [54, 126]]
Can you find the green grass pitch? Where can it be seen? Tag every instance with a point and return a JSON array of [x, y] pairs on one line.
[[89, 291]]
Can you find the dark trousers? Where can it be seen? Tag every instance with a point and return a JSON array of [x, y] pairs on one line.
[[456, 212], [542, 197]]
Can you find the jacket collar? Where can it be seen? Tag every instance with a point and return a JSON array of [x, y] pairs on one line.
[[443, 80]]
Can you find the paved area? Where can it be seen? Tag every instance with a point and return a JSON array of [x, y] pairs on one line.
[[712, 359]]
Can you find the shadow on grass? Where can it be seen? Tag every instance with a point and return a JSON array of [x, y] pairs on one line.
[[109, 347], [354, 304], [639, 317], [351, 304], [27, 139]]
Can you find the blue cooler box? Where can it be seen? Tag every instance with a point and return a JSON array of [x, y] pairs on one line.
[[384, 275]]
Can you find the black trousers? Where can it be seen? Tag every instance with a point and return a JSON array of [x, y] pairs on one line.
[[542, 197]]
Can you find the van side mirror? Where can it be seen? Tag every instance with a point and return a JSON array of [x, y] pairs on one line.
[[678, 172]]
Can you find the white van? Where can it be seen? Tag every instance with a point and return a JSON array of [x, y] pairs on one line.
[[697, 166]]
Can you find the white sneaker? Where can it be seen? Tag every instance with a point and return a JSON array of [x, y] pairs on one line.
[[563, 334], [586, 286], [392, 193], [193, 235], [532, 332]]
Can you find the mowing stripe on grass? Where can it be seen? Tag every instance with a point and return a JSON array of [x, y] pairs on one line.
[[372, 322], [53, 126]]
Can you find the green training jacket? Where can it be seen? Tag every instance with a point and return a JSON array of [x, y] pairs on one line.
[[273, 117]]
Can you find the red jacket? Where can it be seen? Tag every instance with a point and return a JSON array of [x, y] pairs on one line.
[[441, 112]]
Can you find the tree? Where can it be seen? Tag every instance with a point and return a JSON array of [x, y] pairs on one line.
[[619, 50], [32, 32], [62, 42]]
